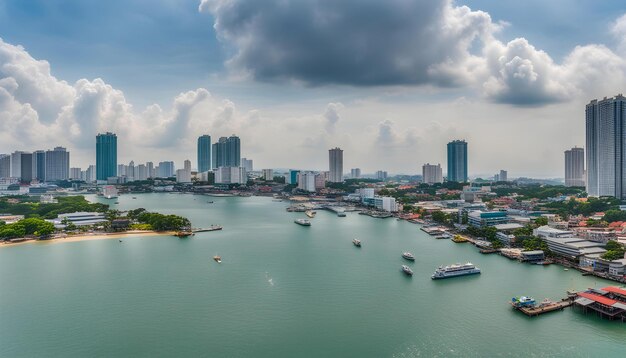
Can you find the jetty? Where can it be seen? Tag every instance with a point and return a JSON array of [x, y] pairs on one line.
[[544, 307], [210, 228]]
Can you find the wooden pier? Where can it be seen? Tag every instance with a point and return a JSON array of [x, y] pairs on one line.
[[211, 228], [541, 309]]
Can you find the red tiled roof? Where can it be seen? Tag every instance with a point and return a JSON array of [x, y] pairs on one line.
[[597, 298], [614, 289]]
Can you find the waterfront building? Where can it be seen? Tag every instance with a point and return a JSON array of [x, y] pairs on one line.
[[75, 174], [292, 177], [381, 175], [39, 159], [386, 203], [204, 153], [267, 174], [79, 219], [320, 181], [575, 167], [183, 176], [150, 170], [166, 169], [306, 181], [106, 156], [247, 164], [432, 174], [57, 164], [457, 161], [605, 128], [481, 218], [130, 171], [141, 172], [5, 166], [90, 174], [365, 193], [355, 173], [230, 175], [227, 152], [335, 163]]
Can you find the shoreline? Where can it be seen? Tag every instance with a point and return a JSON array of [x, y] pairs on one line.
[[93, 237]]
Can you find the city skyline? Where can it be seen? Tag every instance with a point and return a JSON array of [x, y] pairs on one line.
[[209, 83]]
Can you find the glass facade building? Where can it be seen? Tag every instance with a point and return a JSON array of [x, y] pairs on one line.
[[605, 126], [457, 161], [106, 156], [204, 153]]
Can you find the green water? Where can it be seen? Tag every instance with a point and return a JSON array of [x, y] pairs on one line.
[[282, 290]]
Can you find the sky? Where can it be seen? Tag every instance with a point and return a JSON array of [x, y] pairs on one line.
[[390, 82]]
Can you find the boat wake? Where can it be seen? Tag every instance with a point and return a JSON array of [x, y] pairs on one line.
[[269, 279]]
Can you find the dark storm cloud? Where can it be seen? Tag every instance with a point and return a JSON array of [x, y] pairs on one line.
[[356, 42]]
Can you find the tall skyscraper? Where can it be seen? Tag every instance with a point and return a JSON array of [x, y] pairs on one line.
[[432, 174], [27, 167], [166, 170], [106, 156], [16, 164], [57, 164], [5, 165], [227, 152], [355, 173], [335, 161], [504, 175], [39, 159], [575, 167], [457, 161], [204, 153], [605, 125], [150, 169], [381, 175]]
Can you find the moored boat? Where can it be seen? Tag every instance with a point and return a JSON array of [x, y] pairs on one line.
[[455, 270], [408, 256], [303, 222], [356, 242], [407, 270], [523, 301], [310, 213]]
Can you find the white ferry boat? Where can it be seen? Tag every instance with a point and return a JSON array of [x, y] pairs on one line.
[[303, 222], [455, 270]]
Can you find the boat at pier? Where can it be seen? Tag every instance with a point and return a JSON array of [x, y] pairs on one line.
[[523, 301], [303, 222], [356, 242], [455, 270], [407, 270], [409, 256], [310, 213]]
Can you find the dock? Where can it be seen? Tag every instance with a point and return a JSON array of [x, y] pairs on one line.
[[211, 228], [532, 311]]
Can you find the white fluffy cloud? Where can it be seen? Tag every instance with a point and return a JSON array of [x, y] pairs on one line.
[[401, 42], [38, 111]]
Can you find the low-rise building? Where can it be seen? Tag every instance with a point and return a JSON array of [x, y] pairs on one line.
[[487, 218], [80, 218]]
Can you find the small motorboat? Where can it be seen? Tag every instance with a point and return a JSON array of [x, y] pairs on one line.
[[356, 242], [407, 270], [408, 256], [217, 259]]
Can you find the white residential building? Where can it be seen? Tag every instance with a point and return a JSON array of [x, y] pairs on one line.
[[432, 174]]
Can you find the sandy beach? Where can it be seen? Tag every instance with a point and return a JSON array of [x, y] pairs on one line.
[[93, 236]]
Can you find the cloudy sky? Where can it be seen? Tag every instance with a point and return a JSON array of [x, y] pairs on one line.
[[390, 82]]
